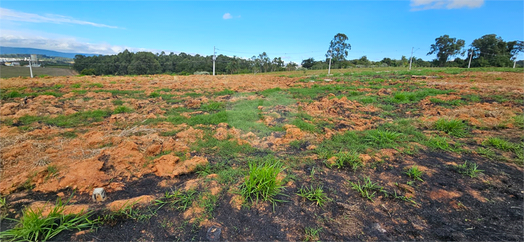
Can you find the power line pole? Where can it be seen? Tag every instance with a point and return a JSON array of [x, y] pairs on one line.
[[30, 67], [329, 68], [214, 59], [514, 63], [470, 56], [411, 58]]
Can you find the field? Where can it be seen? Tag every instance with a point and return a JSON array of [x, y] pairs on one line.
[[15, 71], [367, 155]]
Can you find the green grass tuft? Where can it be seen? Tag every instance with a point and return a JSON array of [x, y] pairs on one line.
[[34, 226], [316, 195], [468, 169], [367, 189], [261, 183], [453, 127], [351, 159], [414, 173], [122, 109]]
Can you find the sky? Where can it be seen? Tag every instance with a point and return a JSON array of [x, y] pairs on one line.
[[293, 30]]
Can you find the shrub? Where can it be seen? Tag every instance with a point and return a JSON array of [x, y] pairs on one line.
[[88, 72]]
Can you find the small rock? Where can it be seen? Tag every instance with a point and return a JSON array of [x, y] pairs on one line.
[[379, 228], [213, 233]]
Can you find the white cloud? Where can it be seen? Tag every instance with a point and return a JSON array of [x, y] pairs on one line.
[[227, 16], [417, 5], [67, 44], [13, 15]]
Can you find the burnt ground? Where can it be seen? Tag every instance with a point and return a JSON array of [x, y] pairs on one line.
[[447, 209]]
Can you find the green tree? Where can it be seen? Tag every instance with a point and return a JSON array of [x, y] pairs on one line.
[[446, 47], [491, 50], [308, 63], [291, 66], [338, 48], [277, 64], [144, 63]]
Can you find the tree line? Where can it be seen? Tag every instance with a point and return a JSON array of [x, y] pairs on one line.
[[142, 63], [489, 50]]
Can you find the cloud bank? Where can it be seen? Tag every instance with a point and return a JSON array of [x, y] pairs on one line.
[[67, 44], [417, 5], [13, 15]]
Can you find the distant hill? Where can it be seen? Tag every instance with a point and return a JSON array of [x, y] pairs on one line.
[[16, 50]]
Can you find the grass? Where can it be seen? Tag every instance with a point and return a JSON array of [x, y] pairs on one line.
[[68, 121], [453, 127], [518, 121], [4, 206], [468, 169], [154, 95], [177, 199], [312, 234], [501, 144], [117, 102], [440, 143], [456, 102], [14, 71], [8, 95], [382, 138], [316, 195], [261, 183], [367, 189], [305, 126], [122, 109], [415, 173], [350, 159], [33, 225]]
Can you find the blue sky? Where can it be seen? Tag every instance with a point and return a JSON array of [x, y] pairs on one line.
[[294, 30]]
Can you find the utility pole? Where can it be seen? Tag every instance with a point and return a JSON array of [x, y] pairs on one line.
[[411, 58], [30, 67], [470, 56], [514, 63], [329, 68], [214, 59]]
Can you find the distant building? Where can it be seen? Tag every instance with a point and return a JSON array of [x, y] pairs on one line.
[[12, 64]]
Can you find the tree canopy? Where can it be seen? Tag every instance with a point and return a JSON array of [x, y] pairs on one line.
[[492, 50], [446, 47], [338, 48]]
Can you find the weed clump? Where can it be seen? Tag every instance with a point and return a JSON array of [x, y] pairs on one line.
[[262, 183], [351, 159], [468, 169], [415, 173], [316, 195], [367, 189]]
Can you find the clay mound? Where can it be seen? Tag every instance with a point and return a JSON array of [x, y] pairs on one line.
[[190, 135], [171, 166]]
